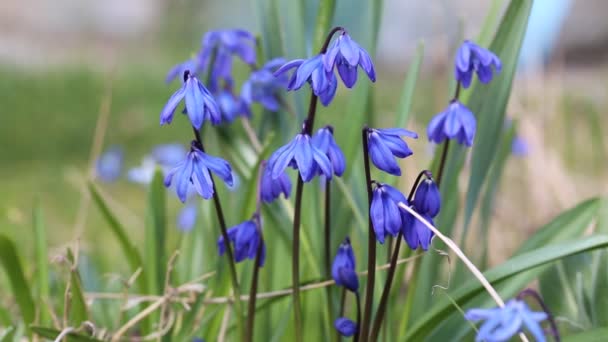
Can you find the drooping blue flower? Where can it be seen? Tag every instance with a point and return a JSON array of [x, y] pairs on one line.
[[263, 87], [473, 58], [345, 326], [343, 269], [271, 188], [384, 211], [192, 65], [346, 55], [246, 239], [415, 233], [456, 122], [230, 105], [194, 170], [200, 105], [519, 146], [108, 166], [503, 323], [385, 144], [302, 155], [427, 199], [186, 219], [323, 83], [324, 141]]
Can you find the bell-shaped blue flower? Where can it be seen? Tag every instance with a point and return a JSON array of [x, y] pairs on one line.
[[192, 65], [343, 269], [324, 141], [200, 105], [415, 233], [194, 170], [263, 87], [322, 82], [346, 55], [271, 189], [384, 211], [246, 239], [456, 122], [385, 144], [186, 219], [427, 199], [501, 324], [108, 166], [345, 326], [473, 58], [302, 155]]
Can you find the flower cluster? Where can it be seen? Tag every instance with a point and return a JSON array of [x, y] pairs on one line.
[[457, 121], [246, 239]]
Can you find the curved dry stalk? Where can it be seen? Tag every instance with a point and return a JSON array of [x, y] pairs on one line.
[[452, 245]]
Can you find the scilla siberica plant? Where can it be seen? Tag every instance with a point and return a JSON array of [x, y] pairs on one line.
[[393, 216]]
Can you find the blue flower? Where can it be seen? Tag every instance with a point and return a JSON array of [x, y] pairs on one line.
[[323, 83], [194, 170], [230, 105], [302, 155], [263, 87], [271, 189], [503, 323], [186, 219], [345, 326], [343, 269], [346, 55], [427, 199], [519, 147], [384, 211], [385, 144], [108, 166], [221, 45], [456, 122], [324, 141], [473, 58], [245, 238], [191, 65], [200, 105], [415, 233]]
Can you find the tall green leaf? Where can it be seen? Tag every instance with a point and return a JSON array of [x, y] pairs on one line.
[[19, 285], [77, 306], [154, 262], [42, 262]]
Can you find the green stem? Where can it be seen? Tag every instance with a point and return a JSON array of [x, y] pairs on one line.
[[371, 243]]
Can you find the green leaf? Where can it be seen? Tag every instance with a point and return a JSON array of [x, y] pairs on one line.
[[128, 248], [324, 17], [409, 86], [518, 264], [52, 334], [42, 264], [78, 311], [18, 283], [593, 335], [154, 262], [491, 113]]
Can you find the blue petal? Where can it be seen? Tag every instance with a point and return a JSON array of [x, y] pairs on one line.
[[281, 158], [329, 58], [381, 155], [202, 181], [399, 132], [183, 179], [392, 215], [349, 278], [166, 115], [305, 70], [289, 65], [348, 74], [195, 103], [435, 128], [349, 49], [376, 212], [366, 64], [463, 57], [303, 156], [345, 326], [323, 162], [219, 166]]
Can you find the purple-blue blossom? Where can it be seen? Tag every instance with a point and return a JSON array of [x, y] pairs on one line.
[[345, 326], [346, 55], [230, 105], [343, 268], [456, 122], [472, 58], [385, 144], [324, 141], [263, 87], [302, 155], [271, 189], [195, 171], [415, 233], [427, 198], [246, 239], [200, 105], [312, 70], [501, 324], [384, 211], [108, 166]]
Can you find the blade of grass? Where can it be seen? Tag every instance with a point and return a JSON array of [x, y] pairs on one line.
[[42, 263], [19, 285]]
